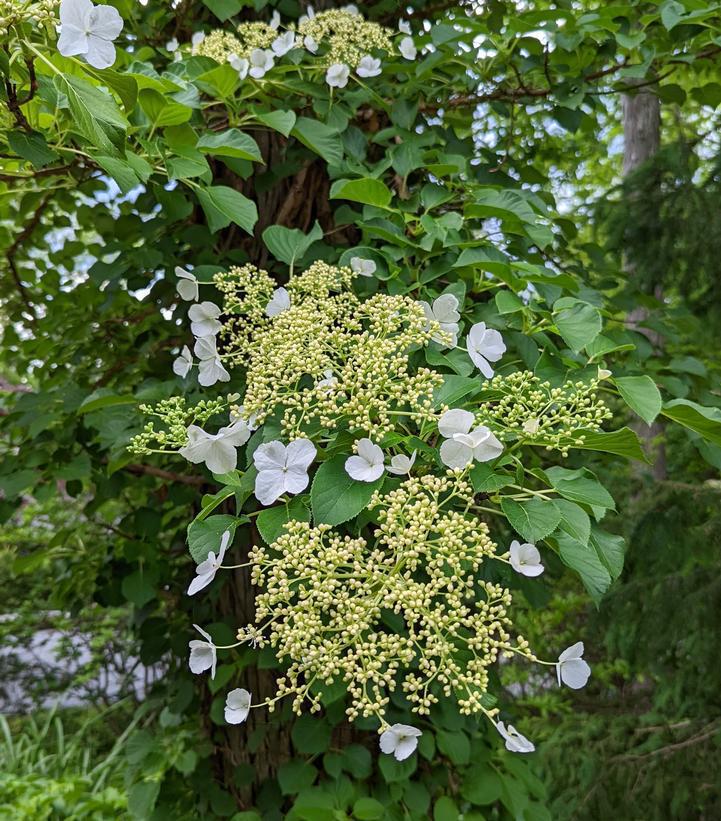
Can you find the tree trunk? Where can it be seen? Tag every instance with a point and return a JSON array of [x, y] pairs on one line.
[[641, 141]]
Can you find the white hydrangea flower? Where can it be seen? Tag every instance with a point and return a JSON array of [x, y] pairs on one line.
[[571, 668], [367, 464], [401, 464], [369, 66], [283, 43], [515, 742], [310, 44], [183, 363], [531, 426], [187, 286], [216, 450], [401, 740], [240, 64], [203, 655], [484, 345], [210, 365], [279, 302], [404, 27], [445, 312], [282, 469], [337, 75], [204, 319], [250, 420], [88, 31], [172, 45], [463, 445], [408, 48], [525, 559], [197, 38], [351, 8], [237, 706], [309, 15], [328, 382], [275, 20], [206, 570], [362, 267], [261, 61]]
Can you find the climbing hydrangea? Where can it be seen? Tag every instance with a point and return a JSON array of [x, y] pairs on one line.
[[347, 35]]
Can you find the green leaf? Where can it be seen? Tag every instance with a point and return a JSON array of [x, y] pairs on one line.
[[481, 785], [611, 550], [455, 745], [231, 143], [281, 121], [186, 166], [335, 497], [271, 522], [580, 486], [94, 112], [574, 520], [161, 110], [578, 322], [445, 809], [368, 809], [204, 535], [701, 419], [31, 147], [311, 734], [139, 587], [534, 520], [223, 205], [296, 775], [623, 442], [320, 138], [120, 171], [641, 395], [221, 81], [369, 191], [224, 9], [585, 561], [95, 402], [290, 244], [394, 771], [142, 798]]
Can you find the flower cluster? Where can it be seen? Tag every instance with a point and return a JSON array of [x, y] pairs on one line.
[[409, 608], [13, 13], [347, 36], [539, 413], [175, 417]]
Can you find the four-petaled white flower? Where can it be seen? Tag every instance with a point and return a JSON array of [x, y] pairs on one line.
[[197, 38], [445, 313], [525, 559], [337, 75], [217, 450], [279, 302], [88, 31], [282, 469], [237, 706], [183, 364], [283, 43], [515, 742], [261, 61], [367, 465], [203, 655], [484, 345], [404, 27], [362, 267], [172, 45], [369, 66], [310, 44], [401, 740], [205, 571], [328, 382], [210, 365], [240, 64], [402, 464], [187, 286], [463, 445], [408, 48], [571, 669], [204, 319]]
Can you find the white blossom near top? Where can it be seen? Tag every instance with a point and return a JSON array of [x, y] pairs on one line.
[[172, 45], [275, 20], [206, 570], [197, 38], [404, 27], [183, 363], [408, 48], [204, 319], [88, 31], [240, 64], [515, 742], [368, 66], [261, 61], [401, 740], [328, 382], [337, 75], [282, 469], [210, 365], [237, 705], [203, 655], [279, 302], [310, 44], [571, 668], [217, 450], [445, 312], [362, 267], [525, 559], [484, 345], [367, 464], [187, 286], [401, 464], [283, 43], [309, 15], [463, 445]]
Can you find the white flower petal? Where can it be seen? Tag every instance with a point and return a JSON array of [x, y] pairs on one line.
[[300, 453], [363, 267], [455, 421], [211, 371], [575, 673], [237, 706], [183, 363], [284, 43], [199, 582], [401, 464], [269, 456], [106, 22], [337, 75], [76, 13], [408, 48], [72, 41], [279, 302], [361, 470], [486, 445], [269, 485], [455, 454], [368, 66]]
